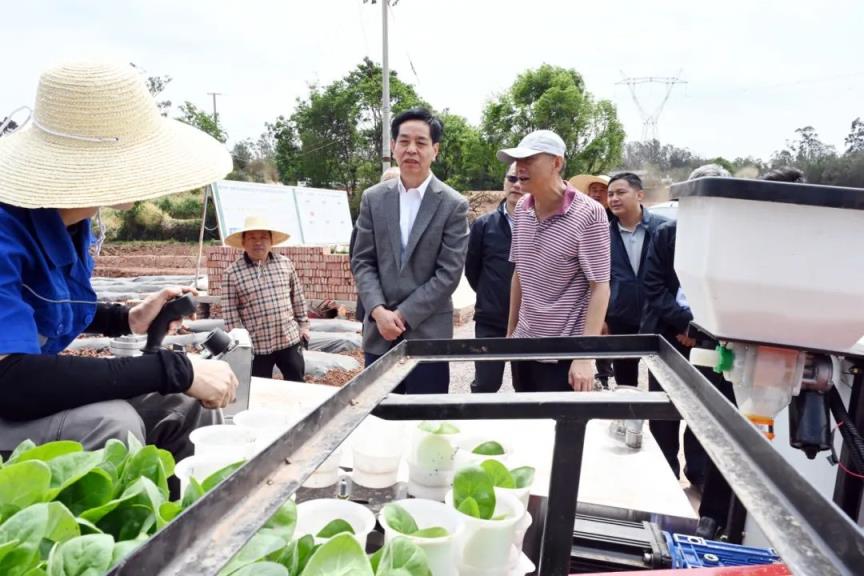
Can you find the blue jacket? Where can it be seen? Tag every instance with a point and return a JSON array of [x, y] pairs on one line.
[[488, 267], [663, 313], [627, 299]]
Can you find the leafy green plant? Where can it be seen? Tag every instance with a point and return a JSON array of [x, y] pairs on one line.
[[490, 448], [503, 478], [438, 427], [474, 492], [401, 521], [334, 527]]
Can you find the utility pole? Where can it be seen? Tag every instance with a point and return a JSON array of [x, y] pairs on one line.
[[385, 91], [215, 115], [385, 84], [650, 118]]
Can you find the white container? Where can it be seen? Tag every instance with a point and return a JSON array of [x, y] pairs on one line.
[[313, 515], [224, 440], [486, 544], [771, 271], [518, 564], [376, 449], [521, 494], [268, 425], [465, 455], [200, 467], [431, 463], [440, 552], [327, 473]]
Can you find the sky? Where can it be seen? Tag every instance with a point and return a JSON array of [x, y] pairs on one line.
[[754, 70]]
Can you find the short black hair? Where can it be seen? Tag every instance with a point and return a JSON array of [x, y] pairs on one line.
[[436, 129], [631, 178], [786, 174]]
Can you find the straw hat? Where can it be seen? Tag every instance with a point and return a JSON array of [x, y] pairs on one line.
[[253, 223], [96, 139], [581, 182]]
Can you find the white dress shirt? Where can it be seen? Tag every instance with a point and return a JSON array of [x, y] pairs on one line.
[[409, 205]]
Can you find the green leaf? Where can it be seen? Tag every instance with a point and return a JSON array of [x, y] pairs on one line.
[[438, 427], [146, 463], [469, 507], [499, 474], [133, 443], [399, 519], [82, 556], [123, 549], [260, 547], [167, 462], [45, 452], [20, 449], [31, 528], [339, 556], [169, 510], [93, 489], [335, 527], [474, 483], [70, 468], [211, 481], [39, 570], [523, 476], [297, 554], [375, 559], [490, 448], [263, 569], [402, 557], [284, 521], [135, 512], [193, 492], [87, 527], [24, 483], [114, 456], [431, 532]]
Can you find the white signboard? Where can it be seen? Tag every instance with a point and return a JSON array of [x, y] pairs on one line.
[[310, 215]]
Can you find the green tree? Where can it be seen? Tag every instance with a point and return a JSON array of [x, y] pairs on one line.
[[855, 140], [192, 115], [465, 160], [555, 98]]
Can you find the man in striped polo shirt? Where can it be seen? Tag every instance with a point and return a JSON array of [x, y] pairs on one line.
[[560, 251]]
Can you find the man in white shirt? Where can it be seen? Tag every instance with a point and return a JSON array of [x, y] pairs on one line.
[[412, 235]]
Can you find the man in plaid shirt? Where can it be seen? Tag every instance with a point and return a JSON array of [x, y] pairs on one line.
[[262, 293]]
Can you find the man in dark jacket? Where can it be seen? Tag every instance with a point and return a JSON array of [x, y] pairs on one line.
[[630, 231], [489, 272]]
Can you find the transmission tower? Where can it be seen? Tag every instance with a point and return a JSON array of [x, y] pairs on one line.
[[650, 118]]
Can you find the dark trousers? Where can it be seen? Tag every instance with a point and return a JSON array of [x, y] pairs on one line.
[[425, 378], [626, 371], [531, 376], [716, 493], [290, 362], [667, 435], [488, 375]]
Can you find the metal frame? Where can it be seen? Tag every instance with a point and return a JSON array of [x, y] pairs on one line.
[[810, 533]]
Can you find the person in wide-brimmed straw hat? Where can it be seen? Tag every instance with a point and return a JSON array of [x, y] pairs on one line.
[[262, 293], [596, 187], [94, 138]]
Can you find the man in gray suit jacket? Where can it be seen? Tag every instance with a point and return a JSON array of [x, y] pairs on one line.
[[412, 235]]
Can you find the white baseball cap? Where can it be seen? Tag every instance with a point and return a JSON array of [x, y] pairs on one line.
[[537, 142]]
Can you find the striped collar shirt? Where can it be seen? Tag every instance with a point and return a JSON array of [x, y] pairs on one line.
[[267, 300], [556, 259]]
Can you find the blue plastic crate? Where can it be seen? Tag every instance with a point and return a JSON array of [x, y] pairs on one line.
[[694, 552]]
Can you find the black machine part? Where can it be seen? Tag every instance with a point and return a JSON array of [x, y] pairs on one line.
[[218, 342], [173, 310], [606, 544], [809, 420]]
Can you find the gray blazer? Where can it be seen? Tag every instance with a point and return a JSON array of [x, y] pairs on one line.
[[422, 286]]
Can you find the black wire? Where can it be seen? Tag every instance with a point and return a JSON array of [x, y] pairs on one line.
[[851, 436]]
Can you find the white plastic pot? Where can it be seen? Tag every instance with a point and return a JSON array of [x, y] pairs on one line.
[[224, 440], [313, 515], [200, 467], [268, 425], [431, 464], [486, 544], [327, 473], [521, 494], [518, 564], [466, 445], [377, 448], [440, 552]]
